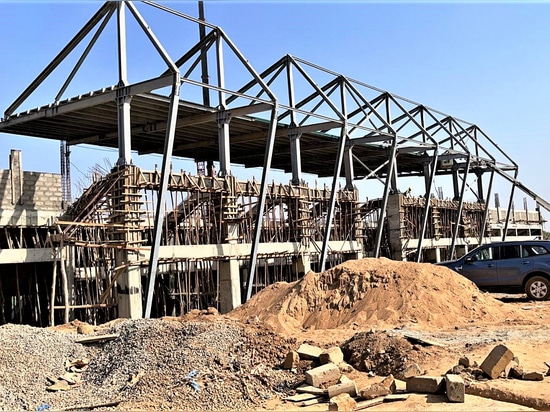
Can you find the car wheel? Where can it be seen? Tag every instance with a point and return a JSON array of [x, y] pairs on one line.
[[538, 288]]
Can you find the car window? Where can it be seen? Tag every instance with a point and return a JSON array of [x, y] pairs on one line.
[[510, 252], [534, 250], [484, 254]]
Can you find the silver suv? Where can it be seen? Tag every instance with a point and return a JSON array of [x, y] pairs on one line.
[[510, 267]]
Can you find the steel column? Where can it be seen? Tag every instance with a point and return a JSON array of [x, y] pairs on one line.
[[384, 205], [123, 100], [337, 169], [161, 200], [509, 210], [427, 198], [223, 117], [460, 207], [261, 201]]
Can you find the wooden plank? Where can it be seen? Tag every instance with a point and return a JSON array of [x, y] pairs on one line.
[[98, 338], [300, 397], [367, 404], [311, 389], [396, 397], [424, 341], [312, 402]]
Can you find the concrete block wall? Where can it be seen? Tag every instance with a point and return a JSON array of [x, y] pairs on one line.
[[41, 191]]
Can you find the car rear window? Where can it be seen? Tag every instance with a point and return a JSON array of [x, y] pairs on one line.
[[534, 250]]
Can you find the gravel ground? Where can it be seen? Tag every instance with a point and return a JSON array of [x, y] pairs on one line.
[[237, 367]]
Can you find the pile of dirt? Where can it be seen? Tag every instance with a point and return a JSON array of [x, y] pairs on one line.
[[376, 292], [383, 353]]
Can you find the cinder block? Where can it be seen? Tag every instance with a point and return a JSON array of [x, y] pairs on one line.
[[291, 360], [307, 351], [495, 363], [333, 355], [348, 387], [454, 386], [323, 374], [342, 402], [425, 384]]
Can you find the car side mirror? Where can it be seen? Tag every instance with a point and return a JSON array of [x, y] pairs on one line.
[[469, 259]]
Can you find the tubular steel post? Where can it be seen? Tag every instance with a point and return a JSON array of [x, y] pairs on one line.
[[486, 212], [261, 201], [204, 59], [426, 206], [123, 101], [161, 200], [509, 211], [460, 206], [337, 169], [382, 217]]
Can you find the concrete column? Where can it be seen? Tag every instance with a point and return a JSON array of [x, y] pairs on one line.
[[301, 264], [394, 216], [126, 211], [230, 285], [129, 288]]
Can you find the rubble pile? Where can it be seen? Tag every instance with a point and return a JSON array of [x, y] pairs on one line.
[[152, 364], [333, 381]]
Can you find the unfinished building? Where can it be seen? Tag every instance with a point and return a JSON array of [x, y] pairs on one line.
[[152, 243]]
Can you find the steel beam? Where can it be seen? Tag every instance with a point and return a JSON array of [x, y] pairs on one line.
[[460, 207], [161, 200], [337, 169], [261, 201], [123, 100]]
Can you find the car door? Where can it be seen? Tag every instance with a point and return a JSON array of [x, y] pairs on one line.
[[480, 266], [512, 266]]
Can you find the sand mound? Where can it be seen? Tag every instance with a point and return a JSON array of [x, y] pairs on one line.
[[375, 293]]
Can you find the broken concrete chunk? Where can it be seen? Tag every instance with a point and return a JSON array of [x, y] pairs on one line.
[[383, 388], [533, 376], [345, 387], [291, 361], [342, 402], [467, 362], [344, 379], [309, 352], [323, 374], [454, 386], [495, 363], [508, 368], [516, 372], [425, 384], [345, 367], [410, 371], [333, 355]]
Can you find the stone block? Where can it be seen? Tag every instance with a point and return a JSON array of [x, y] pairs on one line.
[[344, 387], [467, 362], [310, 352], [454, 387], [324, 374], [342, 402], [495, 363], [291, 361], [425, 384], [331, 355]]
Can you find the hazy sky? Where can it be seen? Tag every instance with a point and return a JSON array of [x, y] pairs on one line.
[[487, 63]]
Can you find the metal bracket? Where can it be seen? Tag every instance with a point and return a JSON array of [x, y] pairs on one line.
[[223, 117]]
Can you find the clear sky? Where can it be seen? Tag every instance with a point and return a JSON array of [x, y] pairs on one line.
[[487, 63]]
